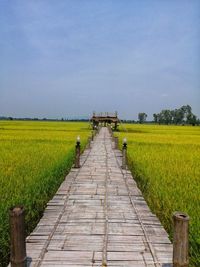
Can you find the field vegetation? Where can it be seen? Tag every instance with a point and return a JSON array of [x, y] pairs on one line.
[[34, 159], [165, 161]]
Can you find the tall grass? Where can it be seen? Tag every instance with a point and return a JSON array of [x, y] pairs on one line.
[[165, 161], [34, 159]]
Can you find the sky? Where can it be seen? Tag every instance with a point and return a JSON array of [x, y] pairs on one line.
[[70, 58]]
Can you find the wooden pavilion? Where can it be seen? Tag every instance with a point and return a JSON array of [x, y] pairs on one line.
[[105, 118]]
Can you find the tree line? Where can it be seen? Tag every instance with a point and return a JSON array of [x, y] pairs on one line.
[[43, 119], [182, 115]]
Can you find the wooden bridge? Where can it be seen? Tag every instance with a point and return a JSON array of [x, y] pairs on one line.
[[98, 217]]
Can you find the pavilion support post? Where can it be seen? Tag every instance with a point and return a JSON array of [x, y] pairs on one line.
[[89, 142], [17, 237], [109, 129], [180, 240], [116, 141]]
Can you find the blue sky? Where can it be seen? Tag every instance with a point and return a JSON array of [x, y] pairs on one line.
[[68, 58]]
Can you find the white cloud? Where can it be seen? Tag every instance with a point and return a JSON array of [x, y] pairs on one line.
[[164, 95]]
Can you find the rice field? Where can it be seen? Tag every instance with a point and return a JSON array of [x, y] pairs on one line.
[[36, 156], [165, 161], [34, 159]]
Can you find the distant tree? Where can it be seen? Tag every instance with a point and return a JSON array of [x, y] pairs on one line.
[[159, 116], [155, 117], [178, 116], [198, 122], [192, 119], [166, 116], [187, 113], [142, 117]]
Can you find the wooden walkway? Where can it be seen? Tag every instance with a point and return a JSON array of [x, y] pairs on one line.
[[98, 217]]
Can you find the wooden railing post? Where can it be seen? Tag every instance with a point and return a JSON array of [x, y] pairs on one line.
[[110, 130], [180, 240], [17, 237], [78, 152], [124, 154]]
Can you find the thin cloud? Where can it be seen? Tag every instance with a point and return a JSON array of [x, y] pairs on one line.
[[164, 95]]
